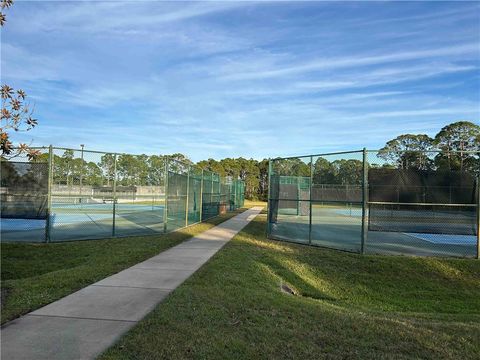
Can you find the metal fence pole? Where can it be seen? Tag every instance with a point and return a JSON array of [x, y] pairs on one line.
[[211, 189], [364, 201], [310, 203], [269, 206], [165, 207], [114, 193], [81, 174], [186, 202], [478, 217], [201, 197], [298, 197], [48, 222], [235, 201], [233, 195]]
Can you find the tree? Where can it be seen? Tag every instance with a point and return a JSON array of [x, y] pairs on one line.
[[291, 167], [63, 168], [349, 172], [16, 113], [408, 151], [5, 5], [132, 169], [92, 174], [458, 142], [241, 168], [213, 165], [107, 164], [178, 163], [263, 179], [323, 172], [156, 170], [231, 167], [250, 174]]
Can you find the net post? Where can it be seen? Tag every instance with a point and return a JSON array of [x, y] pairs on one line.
[[114, 194], [48, 222], [310, 203], [186, 201], [364, 201], [201, 197], [478, 217], [165, 206], [269, 206]]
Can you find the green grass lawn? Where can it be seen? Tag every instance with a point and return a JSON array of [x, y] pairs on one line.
[[344, 306], [252, 203], [34, 275]]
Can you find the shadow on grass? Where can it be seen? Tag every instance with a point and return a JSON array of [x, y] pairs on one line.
[[382, 283]]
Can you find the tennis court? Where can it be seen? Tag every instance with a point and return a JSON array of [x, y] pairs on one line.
[[84, 221], [340, 227], [78, 195], [347, 201]]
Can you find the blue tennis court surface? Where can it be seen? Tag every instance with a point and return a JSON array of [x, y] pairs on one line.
[[107, 206], [445, 238], [21, 224], [68, 214], [354, 211]]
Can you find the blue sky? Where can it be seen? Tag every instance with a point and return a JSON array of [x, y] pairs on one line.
[[252, 79]]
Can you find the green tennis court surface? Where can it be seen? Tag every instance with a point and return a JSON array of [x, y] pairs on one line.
[[340, 227]]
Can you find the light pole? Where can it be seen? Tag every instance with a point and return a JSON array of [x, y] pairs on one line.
[[81, 173]]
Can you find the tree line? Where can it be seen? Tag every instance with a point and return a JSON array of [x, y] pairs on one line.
[[70, 169], [455, 147]]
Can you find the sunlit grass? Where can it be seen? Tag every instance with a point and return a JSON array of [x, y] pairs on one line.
[[345, 306], [252, 203], [34, 275]]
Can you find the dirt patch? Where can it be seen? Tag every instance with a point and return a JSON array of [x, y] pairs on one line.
[[287, 289]]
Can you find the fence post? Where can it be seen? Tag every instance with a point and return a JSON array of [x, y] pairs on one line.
[[310, 203], [269, 206], [211, 190], [478, 217], [201, 197], [81, 175], [165, 206], [48, 222], [235, 190], [298, 197], [186, 202], [114, 193], [364, 201]]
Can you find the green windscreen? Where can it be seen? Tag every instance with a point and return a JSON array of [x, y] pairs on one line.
[[24, 190], [421, 201]]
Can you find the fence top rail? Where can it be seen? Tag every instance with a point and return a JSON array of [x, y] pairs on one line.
[[168, 157], [438, 151], [315, 155], [84, 150], [421, 204]]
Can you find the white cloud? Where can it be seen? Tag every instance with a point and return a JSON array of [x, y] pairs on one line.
[[354, 61], [229, 79]]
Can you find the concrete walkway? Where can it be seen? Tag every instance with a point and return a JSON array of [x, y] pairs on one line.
[[85, 323]]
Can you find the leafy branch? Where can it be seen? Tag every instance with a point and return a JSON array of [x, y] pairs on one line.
[[15, 114]]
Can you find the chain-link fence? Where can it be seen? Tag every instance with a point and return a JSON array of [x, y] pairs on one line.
[[68, 194], [402, 202]]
